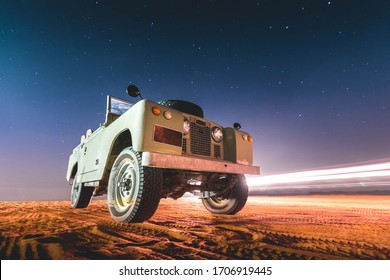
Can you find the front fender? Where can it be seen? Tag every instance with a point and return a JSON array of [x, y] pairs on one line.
[[72, 166]]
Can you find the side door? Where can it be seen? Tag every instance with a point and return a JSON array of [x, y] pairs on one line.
[[90, 156]]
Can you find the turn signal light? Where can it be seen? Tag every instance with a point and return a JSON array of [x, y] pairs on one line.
[[156, 110], [247, 138]]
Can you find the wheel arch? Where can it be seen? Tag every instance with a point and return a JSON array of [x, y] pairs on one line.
[[120, 142], [74, 170]]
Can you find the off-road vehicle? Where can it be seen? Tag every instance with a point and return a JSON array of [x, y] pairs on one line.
[[147, 150]]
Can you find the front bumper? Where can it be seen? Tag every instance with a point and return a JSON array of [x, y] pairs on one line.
[[196, 164]]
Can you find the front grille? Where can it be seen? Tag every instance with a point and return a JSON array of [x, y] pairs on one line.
[[184, 147], [200, 140], [217, 151]]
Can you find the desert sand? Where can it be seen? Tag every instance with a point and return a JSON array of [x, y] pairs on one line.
[[301, 227]]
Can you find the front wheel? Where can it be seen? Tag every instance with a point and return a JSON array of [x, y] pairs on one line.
[[133, 190], [231, 203]]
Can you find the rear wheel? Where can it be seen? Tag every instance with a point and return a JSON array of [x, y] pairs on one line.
[[133, 190], [232, 202], [80, 196]]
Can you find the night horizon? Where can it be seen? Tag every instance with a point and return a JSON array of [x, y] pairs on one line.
[[309, 81]]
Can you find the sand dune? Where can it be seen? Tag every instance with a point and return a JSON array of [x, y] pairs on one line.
[[301, 227]]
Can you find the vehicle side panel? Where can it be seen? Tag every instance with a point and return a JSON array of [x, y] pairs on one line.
[[94, 154], [236, 148]]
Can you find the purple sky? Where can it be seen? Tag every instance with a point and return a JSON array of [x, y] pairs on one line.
[[309, 79]]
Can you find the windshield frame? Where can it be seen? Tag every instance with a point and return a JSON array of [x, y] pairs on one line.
[[121, 105]]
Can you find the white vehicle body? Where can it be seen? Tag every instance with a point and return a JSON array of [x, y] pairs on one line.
[[183, 152]]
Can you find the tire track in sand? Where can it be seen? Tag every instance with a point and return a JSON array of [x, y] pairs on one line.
[[267, 228]]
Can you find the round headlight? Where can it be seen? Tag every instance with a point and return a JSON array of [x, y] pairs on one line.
[[186, 126], [217, 134]]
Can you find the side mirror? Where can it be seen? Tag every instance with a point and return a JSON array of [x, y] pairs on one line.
[[133, 91], [237, 126]]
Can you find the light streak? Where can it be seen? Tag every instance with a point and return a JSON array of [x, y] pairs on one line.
[[374, 173]]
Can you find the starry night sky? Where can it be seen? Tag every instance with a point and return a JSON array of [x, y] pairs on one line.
[[309, 79]]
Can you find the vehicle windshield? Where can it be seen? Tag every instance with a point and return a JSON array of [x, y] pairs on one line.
[[118, 106]]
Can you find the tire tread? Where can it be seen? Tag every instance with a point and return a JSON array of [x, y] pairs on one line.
[[238, 198]]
